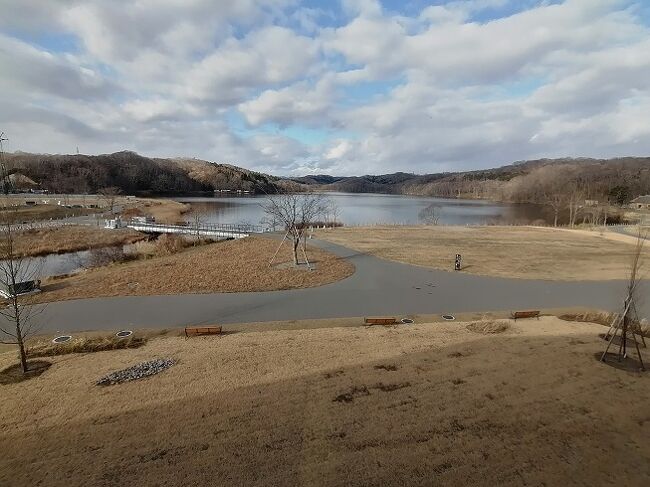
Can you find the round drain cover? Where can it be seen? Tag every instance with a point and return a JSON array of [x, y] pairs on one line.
[[62, 339], [448, 317], [124, 334], [407, 321]]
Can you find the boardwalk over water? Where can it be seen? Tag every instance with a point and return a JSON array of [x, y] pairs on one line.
[[214, 230]]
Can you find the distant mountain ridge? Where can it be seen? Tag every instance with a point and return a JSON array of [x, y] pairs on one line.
[[618, 179]]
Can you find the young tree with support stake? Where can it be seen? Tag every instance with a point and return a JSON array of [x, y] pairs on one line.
[[628, 322], [17, 276], [296, 212]]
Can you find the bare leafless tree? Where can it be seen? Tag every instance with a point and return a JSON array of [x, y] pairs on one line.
[[270, 222], [18, 275], [575, 201], [556, 201], [199, 217], [606, 204], [110, 195], [296, 212], [333, 212], [430, 215]]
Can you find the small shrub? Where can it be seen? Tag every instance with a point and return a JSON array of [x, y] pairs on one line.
[[85, 345], [106, 256], [600, 317], [488, 327], [168, 244], [144, 249]]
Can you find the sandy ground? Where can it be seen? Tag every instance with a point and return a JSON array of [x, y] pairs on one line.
[[520, 252], [424, 404], [232, 266], [58, 240]]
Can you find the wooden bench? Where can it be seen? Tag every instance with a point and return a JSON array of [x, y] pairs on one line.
[[194, 331], [525, 314], [380, 320]]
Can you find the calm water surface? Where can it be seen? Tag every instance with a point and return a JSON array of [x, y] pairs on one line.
[[370, 209]]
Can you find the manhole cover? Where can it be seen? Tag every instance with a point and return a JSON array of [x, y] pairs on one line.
[[124, 334], [407, 321], [62, 339], [448, 317]]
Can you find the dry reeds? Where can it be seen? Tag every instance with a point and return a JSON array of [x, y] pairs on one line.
[[59, 240], [600, 317], [606, 319], [85, 345]]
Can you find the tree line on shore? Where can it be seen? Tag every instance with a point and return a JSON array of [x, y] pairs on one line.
[[573, 191], [561, 185]]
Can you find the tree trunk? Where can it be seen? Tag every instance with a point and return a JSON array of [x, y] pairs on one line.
[[296, 243], [555, 219], [21, 347]]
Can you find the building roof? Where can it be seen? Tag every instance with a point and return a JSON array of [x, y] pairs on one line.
[[642, 199]]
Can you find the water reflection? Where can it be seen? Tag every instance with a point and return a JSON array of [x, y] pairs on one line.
[[372, 209]]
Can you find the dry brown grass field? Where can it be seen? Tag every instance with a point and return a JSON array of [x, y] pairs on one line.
[[520, 252], [425, 404], [232, 266], [43, 212], [164, 211], [58, 240]]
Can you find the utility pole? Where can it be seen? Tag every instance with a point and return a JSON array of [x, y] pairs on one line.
[[6, 182]]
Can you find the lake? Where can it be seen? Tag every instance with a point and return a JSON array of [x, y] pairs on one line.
[[371, 209]]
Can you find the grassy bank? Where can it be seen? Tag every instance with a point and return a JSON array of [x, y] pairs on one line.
[[59, 240], [412, 405], [231, 266], [520, 252], [163, 210]]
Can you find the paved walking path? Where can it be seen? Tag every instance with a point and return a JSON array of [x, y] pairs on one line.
[[377, 287]]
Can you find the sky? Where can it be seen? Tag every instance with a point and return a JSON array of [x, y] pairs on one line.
[[344, 87]]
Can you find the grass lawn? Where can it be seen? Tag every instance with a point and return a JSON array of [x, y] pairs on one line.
[[231, 266], [424, 404], [521, 252]]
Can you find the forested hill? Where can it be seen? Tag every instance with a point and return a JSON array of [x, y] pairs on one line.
[[617, 180], [133, 173]]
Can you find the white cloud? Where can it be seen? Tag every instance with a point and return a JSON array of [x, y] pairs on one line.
[[269, 56], [34, 72], [299, 103], [163, 77]]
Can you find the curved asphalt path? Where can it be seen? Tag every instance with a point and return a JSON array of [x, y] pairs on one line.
[[377, 287]]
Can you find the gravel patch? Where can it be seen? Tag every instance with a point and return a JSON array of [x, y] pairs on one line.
[[140, 371]]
